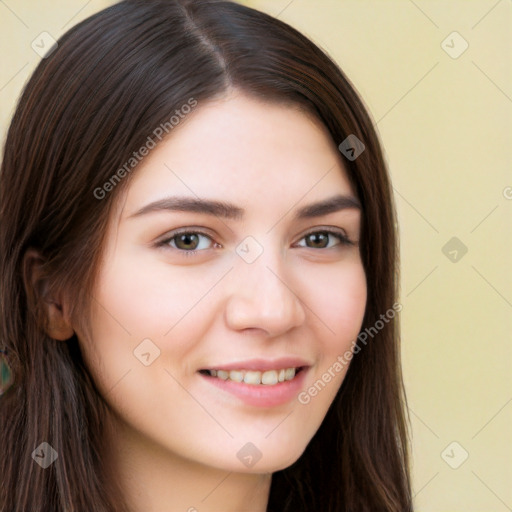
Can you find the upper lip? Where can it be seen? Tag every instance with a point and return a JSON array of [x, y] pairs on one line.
[[261, 364]]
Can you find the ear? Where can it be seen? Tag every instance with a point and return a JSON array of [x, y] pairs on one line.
[[52, 310]]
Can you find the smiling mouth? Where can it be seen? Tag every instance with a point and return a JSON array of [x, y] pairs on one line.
[[255, 378]]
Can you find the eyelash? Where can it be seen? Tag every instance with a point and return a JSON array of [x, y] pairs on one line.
[[344, 240]]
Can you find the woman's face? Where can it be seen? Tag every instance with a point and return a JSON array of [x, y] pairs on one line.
[[261, 287]]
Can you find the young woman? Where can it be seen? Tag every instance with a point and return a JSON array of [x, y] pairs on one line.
[[199, 275]]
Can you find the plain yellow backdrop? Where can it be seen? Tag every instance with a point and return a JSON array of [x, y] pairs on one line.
[[436, 77]]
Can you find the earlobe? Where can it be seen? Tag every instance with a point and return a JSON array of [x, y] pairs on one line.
[[51, 310]]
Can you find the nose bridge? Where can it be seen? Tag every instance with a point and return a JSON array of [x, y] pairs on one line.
[[263, 294]]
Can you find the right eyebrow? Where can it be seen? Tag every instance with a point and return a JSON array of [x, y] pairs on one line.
[[190, 204]]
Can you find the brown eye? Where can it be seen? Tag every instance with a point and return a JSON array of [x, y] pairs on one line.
[[187, 241], [325, 239], [318, 240]]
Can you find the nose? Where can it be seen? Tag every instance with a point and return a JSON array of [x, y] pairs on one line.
[[262, 297]]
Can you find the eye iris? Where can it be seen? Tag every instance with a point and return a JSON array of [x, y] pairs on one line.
[[320, 240], [187, 239]]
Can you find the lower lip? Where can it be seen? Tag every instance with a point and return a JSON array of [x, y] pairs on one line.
[[261, 395]]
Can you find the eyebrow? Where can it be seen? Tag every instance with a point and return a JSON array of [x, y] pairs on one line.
[[230, 211]]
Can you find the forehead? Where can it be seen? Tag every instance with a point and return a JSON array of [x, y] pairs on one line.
[[245, 151]]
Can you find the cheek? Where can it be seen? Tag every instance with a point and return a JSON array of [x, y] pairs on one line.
[[338, 300], [134, 303], [338, 303], [149, 299]]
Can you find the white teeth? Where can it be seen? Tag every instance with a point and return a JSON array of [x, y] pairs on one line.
[[268, 378], [236, 375], [252, 377], [289, 374]]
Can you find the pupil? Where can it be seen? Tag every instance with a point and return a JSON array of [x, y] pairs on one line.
[[188, 239], [319, 238]]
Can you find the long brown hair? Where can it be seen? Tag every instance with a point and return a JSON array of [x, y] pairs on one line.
[[112, 80]]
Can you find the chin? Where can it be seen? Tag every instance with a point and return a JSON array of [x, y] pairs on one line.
[[272, 462]]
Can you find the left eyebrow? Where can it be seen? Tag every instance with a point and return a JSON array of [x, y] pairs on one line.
[[231, 211], [330, 205]]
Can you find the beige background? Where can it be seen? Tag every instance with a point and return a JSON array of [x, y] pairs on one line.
[[446, 126]]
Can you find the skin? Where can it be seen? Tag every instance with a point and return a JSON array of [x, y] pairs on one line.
[[176, 435]]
